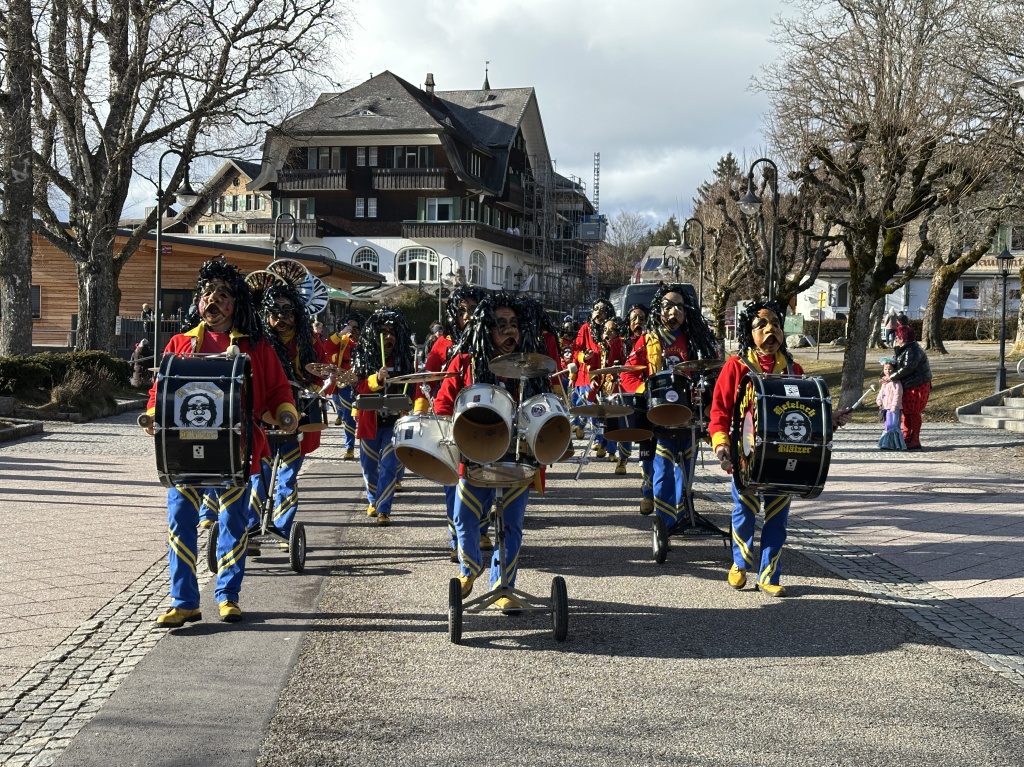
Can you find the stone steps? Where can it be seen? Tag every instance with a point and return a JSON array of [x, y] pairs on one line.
[[999, 411]]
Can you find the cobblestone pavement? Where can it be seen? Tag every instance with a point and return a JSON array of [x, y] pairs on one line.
[[84, 517]]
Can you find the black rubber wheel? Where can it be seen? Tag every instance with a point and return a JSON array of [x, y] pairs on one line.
[[211, 547], [297, 547], [559, 609], [455, 611], [659, 539]]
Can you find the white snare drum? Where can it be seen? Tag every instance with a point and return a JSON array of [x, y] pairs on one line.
[[501, 474], [544, 423], [423, 445], [482, 424]]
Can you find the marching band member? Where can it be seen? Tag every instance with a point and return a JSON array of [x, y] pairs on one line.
[[287, 328], [338, 349], [636, 320], [762, 348], [587, 351], [612, 353], [566, 340], [503, 324], [676, 332], [228, 318], [384, 350]]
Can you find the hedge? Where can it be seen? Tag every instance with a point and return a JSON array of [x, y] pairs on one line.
[[953, 329], [41, 372]]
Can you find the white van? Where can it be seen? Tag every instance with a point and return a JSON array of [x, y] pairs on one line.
[[641, 293]]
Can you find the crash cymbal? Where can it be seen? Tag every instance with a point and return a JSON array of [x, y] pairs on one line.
[[322, 369], [424, 377], [395, 402], [601, 411], [616, 369], [522, 364], [692, 366]]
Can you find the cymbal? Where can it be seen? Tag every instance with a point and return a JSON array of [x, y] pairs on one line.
[[616, 369], [424, 377], [601, 411], [691, 366], [396, 402], [322, 369], [521, 364]]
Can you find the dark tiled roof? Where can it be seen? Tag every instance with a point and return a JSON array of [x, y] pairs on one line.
[[493, 116]]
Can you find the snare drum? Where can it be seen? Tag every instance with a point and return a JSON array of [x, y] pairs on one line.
[[668, 399], [544, 423], [629, 428], [312, 411], [782, 434], [501, 474], [423, 445], [482, 422], [203, 421]]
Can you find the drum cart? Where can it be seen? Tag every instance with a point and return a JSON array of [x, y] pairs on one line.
[[557, 604]]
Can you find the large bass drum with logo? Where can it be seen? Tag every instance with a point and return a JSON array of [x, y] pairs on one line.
[[203, 420], [782, 434]]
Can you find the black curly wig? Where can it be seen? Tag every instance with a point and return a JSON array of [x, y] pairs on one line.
[[247, 318], [451, 309], [303, 333], [745, 319], [700, 340], [627, 333], [597, 331], [366, 356]]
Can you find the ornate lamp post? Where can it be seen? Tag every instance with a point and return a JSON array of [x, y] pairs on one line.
[[186, 197], [293, 243], [1005, 261], [440, 283], [750, 204], [687, 251]]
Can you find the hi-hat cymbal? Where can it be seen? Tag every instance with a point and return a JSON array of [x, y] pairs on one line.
[[424, 377], [616, 369], [522, 364], [601, 411], [322, 369], [692, 366]]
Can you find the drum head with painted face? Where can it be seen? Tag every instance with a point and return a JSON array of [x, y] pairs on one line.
[[795, 427]]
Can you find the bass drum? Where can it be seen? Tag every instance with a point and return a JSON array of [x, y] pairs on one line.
[[482, 423], [668, 399], [782, 434], [545, 425], [203, 421], [629, 428], [423, 445]]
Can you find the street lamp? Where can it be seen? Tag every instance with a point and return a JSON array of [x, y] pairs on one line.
[[687, 251], [750, 204], [440, 283], [186, 197], [293, 243], [1005, 261]]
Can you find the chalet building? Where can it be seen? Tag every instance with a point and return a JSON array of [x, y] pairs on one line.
[[426, 187], [225, 205]]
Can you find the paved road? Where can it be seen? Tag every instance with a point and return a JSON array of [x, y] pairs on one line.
[[900, 644]]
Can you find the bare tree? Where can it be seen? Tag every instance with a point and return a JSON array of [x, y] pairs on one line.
[[16, 178], [118, 82], [618, 256], [891, 109]]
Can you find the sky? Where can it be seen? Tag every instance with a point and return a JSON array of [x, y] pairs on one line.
[[661, 88]]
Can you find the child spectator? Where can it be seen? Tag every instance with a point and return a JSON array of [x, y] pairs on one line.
[[890, 403]]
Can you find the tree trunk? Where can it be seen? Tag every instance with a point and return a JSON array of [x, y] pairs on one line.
[[96, 307], [943, 280], [858, 330], [877, 312], [16, 189]]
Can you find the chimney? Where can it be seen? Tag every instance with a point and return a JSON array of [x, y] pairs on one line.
[[429, 83]]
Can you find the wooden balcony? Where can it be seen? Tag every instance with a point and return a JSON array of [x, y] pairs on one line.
[[454, 230], [304, 227], [314, 180], [410, 178]]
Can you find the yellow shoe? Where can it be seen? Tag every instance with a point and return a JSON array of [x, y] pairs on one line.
[[737, 577], [620, 467], [229, 612], [177, 617], [350, 455], [371, 510], [205, 524], [579, 432], [467, 584], [507, 605], [453, 555], [772, 589], [646, 506], [599, 451], [383, 520], [485, 543], [252, 548], [398, 486], [337, 421]]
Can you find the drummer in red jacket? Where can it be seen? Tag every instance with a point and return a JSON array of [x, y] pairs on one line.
[[762, 349], [229, 319], [587, 356], [338, 350]]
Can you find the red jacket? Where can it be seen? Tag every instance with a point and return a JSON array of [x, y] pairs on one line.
[[337, 350], [438, 354], [648, 351], [723, 400], [366, 420], [310, 439]]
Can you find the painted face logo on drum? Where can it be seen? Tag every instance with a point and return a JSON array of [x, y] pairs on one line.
[[199, 410], [796, 427], [537, 411]]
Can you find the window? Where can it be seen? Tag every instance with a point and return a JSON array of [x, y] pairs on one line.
[[366, 258], [234, 229], [37, 302], [474, 164], [200, 229], [477, 268], [970, 290], [360, 207], [508, 278], [440, 209], [417, 265], [217, 229], [361, 156], [1017, 237], [843, 294], [414, 157], [373, 157], [497, 268], [371, 207], [234, 202]]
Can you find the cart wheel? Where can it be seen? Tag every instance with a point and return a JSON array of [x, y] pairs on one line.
[[297, 547], [211, 547], [559, 608], [659, 536], [455, 611]]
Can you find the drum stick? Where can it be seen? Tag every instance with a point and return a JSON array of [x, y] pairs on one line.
[[863, 397], [145, 420], [383, 357]]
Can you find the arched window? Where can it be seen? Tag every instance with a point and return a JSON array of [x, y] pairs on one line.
[[843, 294], [367, 259], [477, 268], [508, 278], [416, 265]]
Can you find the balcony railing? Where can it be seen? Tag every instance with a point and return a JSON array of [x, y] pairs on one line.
[[410, 178], [312, 180], [304, 227], [453, 230]]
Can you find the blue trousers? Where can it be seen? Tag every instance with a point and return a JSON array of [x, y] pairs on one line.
[[471, 506], [647, 471], [286, 495], [211, 506], [345, 397], [380, 468], [450, 492], [183, 503], [773, 533], [670, 477]]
